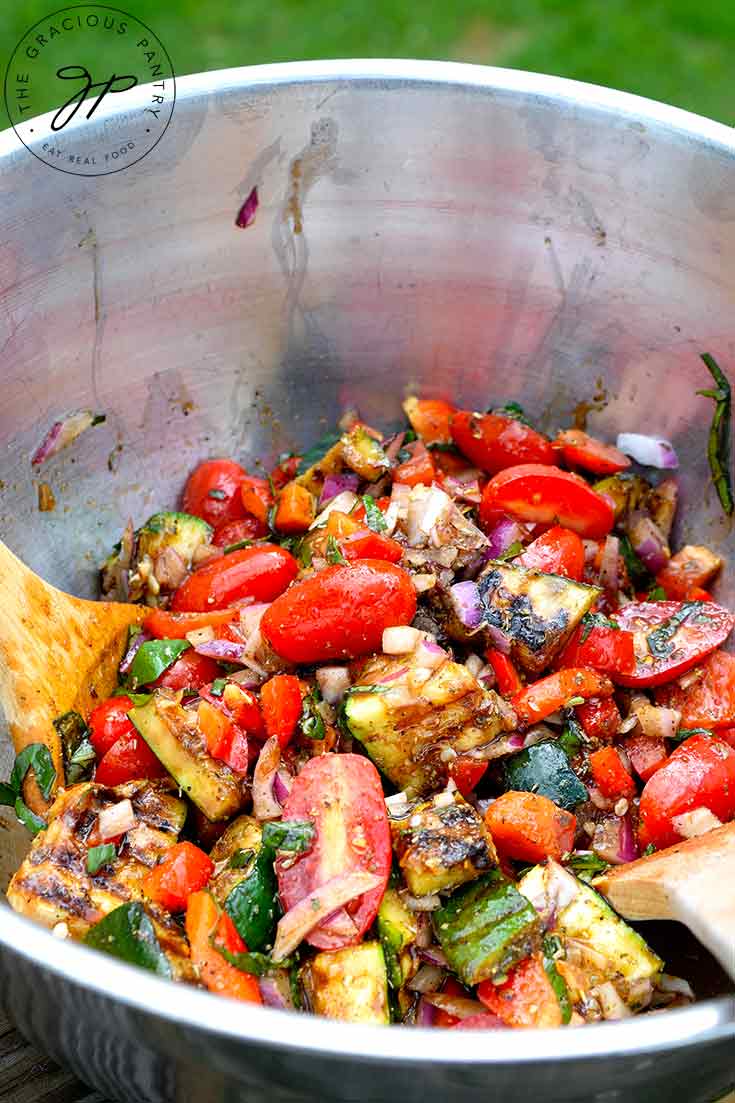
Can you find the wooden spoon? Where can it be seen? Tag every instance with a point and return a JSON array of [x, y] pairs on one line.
[[692, 882], [56, 653]]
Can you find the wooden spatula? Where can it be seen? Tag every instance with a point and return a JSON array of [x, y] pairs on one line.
[[56, 653], [692, 882]]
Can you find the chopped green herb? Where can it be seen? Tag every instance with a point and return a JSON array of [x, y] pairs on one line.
[[80, 763], [98, 856], [442, 446], [719, 442], [650, 849], [216, 493], [572, 738], [409, 436], [552, 949], [36, 757], [333, 553], [512, 409], [29, 819], [217, 687], [99, 419], [660, 640], [256, 964], [241, 859], [511, 552], [317, 451], [596, 620], [639, 575], [656, 593], [304, 554], [686, 733], [374, 518], [586, 865], [237, 546], [74, 733], [152, 658], [311, 723], [292, 836], [128, 933]]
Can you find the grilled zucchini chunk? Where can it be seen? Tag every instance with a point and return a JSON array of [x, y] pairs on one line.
[[599, 948], [243, 835], [405, 715], [537, 611], [627, 493], [349, 984], [441, 844], [155, 559], [485, 928], [173, 735], [363, 454], [397, 928], [53, 885]]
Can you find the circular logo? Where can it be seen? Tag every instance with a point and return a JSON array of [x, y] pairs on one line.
[[78, 64]]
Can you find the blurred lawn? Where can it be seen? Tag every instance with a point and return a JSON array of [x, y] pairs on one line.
[[679, 51]]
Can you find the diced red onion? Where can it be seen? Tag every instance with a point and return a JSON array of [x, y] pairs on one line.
[[400, 640], [682, 987], [466, 490], [116, 820], [336, 484], [429, 654], [340, 924], [333, 682], [557, 890], [343, 502], [316, 906], [503, 533], [62, 433], [394, 675], [609, 575], [427, 903], [498, 638], [223, 650], [427, 979], [265, 804], [132, 651], [424, 931], [460, 1006], [467, 603], [282, 782], [246, 214], [516, 741], [614, 840], [611, 1003], [649, 451], [662, 504], [276, 992], [648, 542], [599, 801], [392, 445], [425, 1013], [433, 955]]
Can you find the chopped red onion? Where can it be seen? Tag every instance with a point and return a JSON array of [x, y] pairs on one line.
[[466, 490], [609, 575], [503, 533], [336, 484], [516, 741], [433, 955], [392, 445], [424, 931], [467, 603], [132, 651], [276, 992], [333, 682], [282, 782], [427, 979], [649, 451], [116, 820], [696, 822], [425, 1013], [400, 673], [401, 639], [429, 654], [265, 805], [246, 214], [343, 502], [648, 541], [423, 903], [498, 638], [223, 650], [614, 840], [460, 1006], [63, 432], [317, 906], [661, 504]]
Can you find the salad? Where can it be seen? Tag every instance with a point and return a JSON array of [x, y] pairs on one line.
[[388, 712]]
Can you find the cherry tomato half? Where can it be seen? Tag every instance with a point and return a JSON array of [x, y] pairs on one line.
[[670, 637], [708, 702], [108, 722], [430, 418], [700, 773], [128, 759], [547, 495], [212, 491], [339, 613], [609, 649], [494, 441], [281, 701], [343, 795], [233, 532], [190, 671], [581, 450], [557, 551], [366, 544], [260, 573]]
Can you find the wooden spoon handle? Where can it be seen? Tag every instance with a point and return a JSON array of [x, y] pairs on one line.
[[57, 653]]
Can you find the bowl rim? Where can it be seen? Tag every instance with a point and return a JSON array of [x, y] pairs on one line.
[[709, 1021]]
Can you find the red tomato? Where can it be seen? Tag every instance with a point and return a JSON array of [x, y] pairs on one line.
[[367, 544], [483, 1020], [551, 693], [431, 419], [646, 754], [174, 626], [232, 532], [506, 675], [419, 469], [257, 497], [727, 735], [184, 869], [190, 671], [494, 441], [581, 450], [610, 775], [260, 573], [285, 471], [281, 701], [699, 773], [358, 513], [609, 649], [694, 631], [526, 998], [600, 717], [343, 795], [243, 707], [444, 1019], [466, 773], [212, 491], [547, 495], [108, 722], [557, 551], [339, 613], [709, 702], [223, 737], [128, 759]]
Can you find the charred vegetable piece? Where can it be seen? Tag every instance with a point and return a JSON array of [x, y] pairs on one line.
[[544, 768], [607, 949], [363, 454], [404, 715], [172, 734], [325, 458], [626, 492], [441, 845], [181, 531], [537, 612], [237, 847], [485, 928], [156, 557], [349, 984], [397, 931]]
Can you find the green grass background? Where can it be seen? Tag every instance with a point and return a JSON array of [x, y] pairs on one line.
[[680, 51]]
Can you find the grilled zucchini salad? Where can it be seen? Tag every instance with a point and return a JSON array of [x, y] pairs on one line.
[[389, 712]]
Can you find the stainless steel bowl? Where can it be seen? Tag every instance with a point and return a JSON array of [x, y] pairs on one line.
[[477, 233]]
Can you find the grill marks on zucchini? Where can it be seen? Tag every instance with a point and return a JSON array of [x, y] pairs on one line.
[[441, 846]]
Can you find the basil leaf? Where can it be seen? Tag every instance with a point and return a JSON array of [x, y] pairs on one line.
[[551, 947], [311, 723], [596, 620], [410, 435], [217, 687], [98, 856], [29, 819], [80, 764], [656, 593], [512, 409], [374, 518], [8, 794], [639, 575], [137, 698], [660, 641], [650, 849], [572, 738], [240, 859], [127, 933], [36, 757], [293, 836], [153, 657], [719, 441], [686, 733], [304, 554], [73, 733], [511, 552], [253, 903], [237, 546], [317, 451], [333, 553], [586, 865], [254, 963]]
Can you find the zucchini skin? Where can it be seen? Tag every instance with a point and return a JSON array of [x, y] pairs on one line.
[[544, 768]]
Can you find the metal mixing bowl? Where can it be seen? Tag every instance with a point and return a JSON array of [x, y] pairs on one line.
[[475, 233]]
